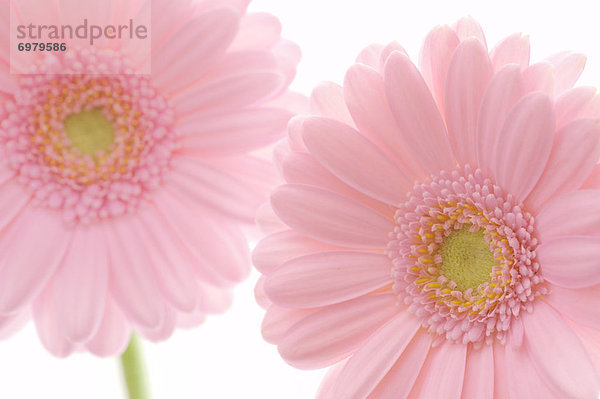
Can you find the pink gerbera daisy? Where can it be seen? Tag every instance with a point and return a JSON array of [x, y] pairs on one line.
[[439, 234], [122, 195]]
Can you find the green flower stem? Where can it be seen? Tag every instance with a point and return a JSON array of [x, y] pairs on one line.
[[134, 371]]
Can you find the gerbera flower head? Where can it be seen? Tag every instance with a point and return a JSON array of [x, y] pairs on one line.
[[438, 234], [125, 178]]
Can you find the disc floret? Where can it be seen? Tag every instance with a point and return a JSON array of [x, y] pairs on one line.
[[464, 257]]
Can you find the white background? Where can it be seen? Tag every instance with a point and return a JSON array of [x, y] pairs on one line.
[[226, 357]]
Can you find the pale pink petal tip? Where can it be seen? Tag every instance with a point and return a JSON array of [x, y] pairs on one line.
[[512, 50], [437, 234], [468, 27]]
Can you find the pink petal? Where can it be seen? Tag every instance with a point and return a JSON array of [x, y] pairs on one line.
[[575, 152], [171, 265], [190, 320], [267, 221], [113, 335], [219, 251], [443, 373], [325, 278], [434, 60], [331, 334], [504, 90], [568, 68], [283, 150], [512, 50], [10, 325], [288, 55], [523, 147], [295, 102], [571, 103], [591, 109], [163, 30], [162, 332], [23, 271], [198, 183], [258, 30], [580, 305], [194, 48], [183, 225], [572, 214], [540, 77], [239, 5], [233, 132], [225, 248], [139, 57], [399, 381], [389, 49], [81, 285], [416, 113], [500, 372], [259, 293], [259, 175], [302, 168], [558, 355], [328, 383], [236, 63], [278, 248], [372, 361], [132, 283], [468, 75], [523, 380], [13, 199], [479, 373], [67, 13], [590, 338], [364, 92], [278, 321], [229, 93], [294, 133], [593, 181], [213, 299], [467, 28], [327, 99], [48, 326], [355, 160], [570, 262], [371, 56], [515, 334], [330, 217]]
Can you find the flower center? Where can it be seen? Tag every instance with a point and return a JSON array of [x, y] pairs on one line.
[[90, 131], [466, 258], [463, 255], [93, 145]]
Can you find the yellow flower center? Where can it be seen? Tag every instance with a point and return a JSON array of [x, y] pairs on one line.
[[89, 131], [466, 258]]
